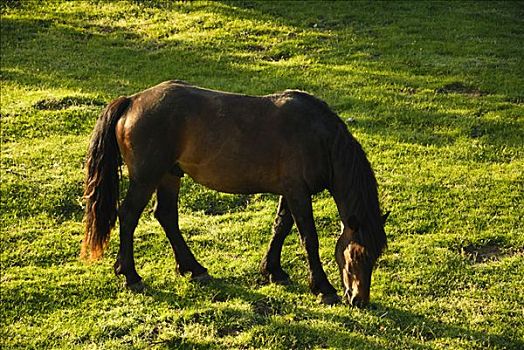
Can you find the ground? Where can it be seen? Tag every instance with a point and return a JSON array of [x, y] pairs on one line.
[[434, 92]]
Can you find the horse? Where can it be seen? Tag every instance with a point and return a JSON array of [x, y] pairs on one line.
[[290, 144]]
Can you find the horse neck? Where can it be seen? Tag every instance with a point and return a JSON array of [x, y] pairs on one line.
[[353, 183], [349, 204], [347, 209], [354, 190]]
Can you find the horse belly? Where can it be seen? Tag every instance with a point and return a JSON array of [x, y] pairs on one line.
[[233, 178]]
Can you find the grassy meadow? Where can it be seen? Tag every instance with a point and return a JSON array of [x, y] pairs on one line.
[[434, 91]]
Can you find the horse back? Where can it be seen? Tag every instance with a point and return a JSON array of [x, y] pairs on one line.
[[229, 142]]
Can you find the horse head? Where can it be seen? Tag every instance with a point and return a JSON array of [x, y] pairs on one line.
[[355, 263]]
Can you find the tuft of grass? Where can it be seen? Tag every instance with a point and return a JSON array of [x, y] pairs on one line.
[[433, 90]]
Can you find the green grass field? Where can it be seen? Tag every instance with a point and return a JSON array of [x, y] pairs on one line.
[[433, 91]]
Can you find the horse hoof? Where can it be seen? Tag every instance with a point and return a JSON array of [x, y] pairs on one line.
[[280, 281], [203, 277], [330, 299], [137, 287]]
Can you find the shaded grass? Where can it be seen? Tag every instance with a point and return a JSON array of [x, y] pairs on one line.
[[432, 90]]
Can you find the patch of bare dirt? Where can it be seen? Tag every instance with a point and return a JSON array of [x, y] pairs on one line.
[[458, 87], [489, 252]]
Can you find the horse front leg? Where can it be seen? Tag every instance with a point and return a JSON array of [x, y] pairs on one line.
[[128, 214], [166, 212], [302, 211], [271, 266]]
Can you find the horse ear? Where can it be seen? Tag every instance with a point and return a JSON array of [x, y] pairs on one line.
[[385, 217]]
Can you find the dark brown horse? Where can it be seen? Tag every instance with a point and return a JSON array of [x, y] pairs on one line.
[[289, 144]]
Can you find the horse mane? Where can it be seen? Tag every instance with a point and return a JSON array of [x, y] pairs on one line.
[[353, 177], [355, 180]]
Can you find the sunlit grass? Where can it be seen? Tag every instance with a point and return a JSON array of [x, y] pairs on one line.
[[433, 91]]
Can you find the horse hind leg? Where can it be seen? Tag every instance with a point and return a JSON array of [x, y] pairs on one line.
[[166, 212], [271, 266], [129, 212]]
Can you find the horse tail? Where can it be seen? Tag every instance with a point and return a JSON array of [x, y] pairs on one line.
[[101, 189]]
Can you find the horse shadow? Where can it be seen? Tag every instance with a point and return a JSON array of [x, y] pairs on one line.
[[272, 321], [296, 325]]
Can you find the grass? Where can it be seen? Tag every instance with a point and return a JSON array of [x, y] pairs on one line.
[[433, 90]]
